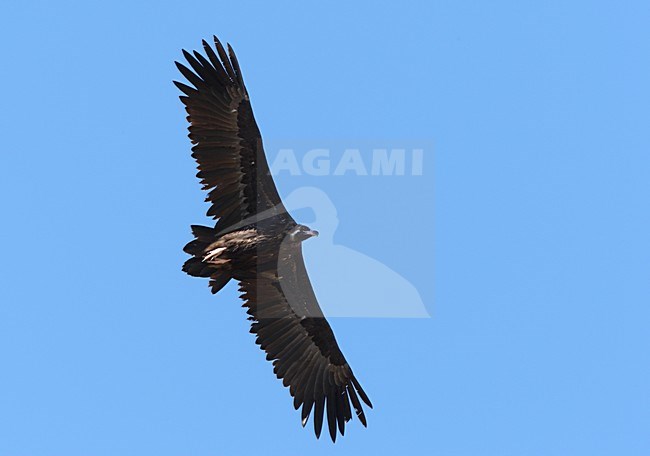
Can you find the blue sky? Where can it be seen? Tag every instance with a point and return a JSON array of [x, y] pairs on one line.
[[526, 236]]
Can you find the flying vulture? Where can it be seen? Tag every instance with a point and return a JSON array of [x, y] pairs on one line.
[[256, 242]]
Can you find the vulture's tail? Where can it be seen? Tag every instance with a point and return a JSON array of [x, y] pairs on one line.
[[196, 267]]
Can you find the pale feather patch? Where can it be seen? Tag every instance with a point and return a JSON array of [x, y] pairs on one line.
[[212, 254]]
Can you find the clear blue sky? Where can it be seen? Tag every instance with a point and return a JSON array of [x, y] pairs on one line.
[[526, 236]]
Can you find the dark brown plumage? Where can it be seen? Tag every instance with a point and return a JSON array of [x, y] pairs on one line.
[[256, 242]]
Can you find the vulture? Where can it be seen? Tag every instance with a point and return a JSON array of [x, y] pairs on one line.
[[257, 243]]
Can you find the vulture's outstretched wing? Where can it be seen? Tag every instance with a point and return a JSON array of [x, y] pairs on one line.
[[227, 142], [292, 330]]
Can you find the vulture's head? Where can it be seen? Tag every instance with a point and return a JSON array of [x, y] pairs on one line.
[[301, 232]]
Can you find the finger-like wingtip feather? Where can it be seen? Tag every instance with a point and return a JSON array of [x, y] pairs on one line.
[[235, 64], [319, 408], [357, 405], [362, 393], [306, 410], [224, 59], [331, 415]]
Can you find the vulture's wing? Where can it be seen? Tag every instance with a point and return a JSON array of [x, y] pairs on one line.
[[294, 333], [227, 142]]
